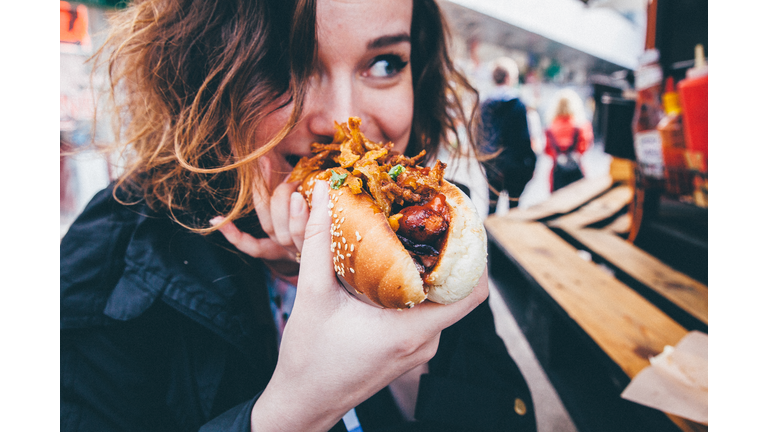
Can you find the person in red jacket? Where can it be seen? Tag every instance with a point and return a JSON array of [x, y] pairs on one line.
[[569, 135]]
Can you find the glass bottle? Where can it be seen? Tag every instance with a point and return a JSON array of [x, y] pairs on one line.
[[678, 178], [648, 114]]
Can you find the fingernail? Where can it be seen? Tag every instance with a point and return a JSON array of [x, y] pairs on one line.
[[215, 221]]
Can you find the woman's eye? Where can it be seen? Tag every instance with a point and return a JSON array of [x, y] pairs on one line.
[[386, 66]]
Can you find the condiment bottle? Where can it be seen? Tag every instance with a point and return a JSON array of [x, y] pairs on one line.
[[693, 95], [678, 178], [648, 114]]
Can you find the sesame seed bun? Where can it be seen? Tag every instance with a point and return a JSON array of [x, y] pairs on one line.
[[376, 267]]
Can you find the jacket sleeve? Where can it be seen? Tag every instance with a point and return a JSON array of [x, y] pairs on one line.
[[145, 375]]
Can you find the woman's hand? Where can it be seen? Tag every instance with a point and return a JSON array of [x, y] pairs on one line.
[[337, 351], [283, 216]]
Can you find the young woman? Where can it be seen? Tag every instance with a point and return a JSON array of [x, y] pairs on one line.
[[167, 328]]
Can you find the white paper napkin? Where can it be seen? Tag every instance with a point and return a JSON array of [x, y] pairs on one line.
[[676, 381]]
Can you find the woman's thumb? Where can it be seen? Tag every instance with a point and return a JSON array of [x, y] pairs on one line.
[[316, 265]]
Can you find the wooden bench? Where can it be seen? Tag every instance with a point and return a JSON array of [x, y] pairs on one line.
[[685, 292], [625, 325], [564, 200], [591, 332], [596, 210], [621, 225]]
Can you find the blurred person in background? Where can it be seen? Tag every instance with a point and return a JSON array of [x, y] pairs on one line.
[[504, 135], [569, 135], [198, 290]]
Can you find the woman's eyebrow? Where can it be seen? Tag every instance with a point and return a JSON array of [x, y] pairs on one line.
[[389, 40]]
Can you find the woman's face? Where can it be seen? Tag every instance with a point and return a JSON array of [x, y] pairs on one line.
[[363, 70]]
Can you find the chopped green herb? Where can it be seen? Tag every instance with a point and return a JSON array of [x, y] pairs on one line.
[[337, 179], [396, 171]]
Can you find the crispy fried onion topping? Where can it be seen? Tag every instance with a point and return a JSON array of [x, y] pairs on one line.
[[356, 162]]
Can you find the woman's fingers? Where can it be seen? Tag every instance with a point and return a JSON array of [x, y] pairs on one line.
[[316, 266], [297, 222], [261, 198], [274, 211], [281, 213], [434, 317], [258, 248], [261, 202]]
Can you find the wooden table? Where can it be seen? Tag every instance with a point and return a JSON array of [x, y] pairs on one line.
[[591, 331]]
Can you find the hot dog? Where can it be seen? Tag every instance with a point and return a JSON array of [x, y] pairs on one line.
[[400, 233]]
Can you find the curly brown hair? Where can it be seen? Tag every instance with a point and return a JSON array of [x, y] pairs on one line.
[[191, 81]]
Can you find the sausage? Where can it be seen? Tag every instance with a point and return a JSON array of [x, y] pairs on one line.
[[424, 224]]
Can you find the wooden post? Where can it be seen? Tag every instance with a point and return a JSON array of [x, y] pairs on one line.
[[650, 28]]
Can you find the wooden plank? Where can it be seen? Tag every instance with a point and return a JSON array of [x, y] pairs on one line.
[[563, 200], [687, 293], [598, 209], [620, 225], [627, 327]]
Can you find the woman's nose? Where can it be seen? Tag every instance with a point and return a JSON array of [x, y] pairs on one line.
[[329, 101]]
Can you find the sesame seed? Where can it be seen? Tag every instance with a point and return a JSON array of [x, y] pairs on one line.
[[357, 234], [351, 269], [330, 204], [344, 239], [352, 248], [349, 254], [342, 219], [345, 246]]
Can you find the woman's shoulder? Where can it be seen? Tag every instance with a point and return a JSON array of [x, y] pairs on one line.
[[117, 260], [92, 256]]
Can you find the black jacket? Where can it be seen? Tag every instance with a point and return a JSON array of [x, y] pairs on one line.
[[505, 129], [166, 330]]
